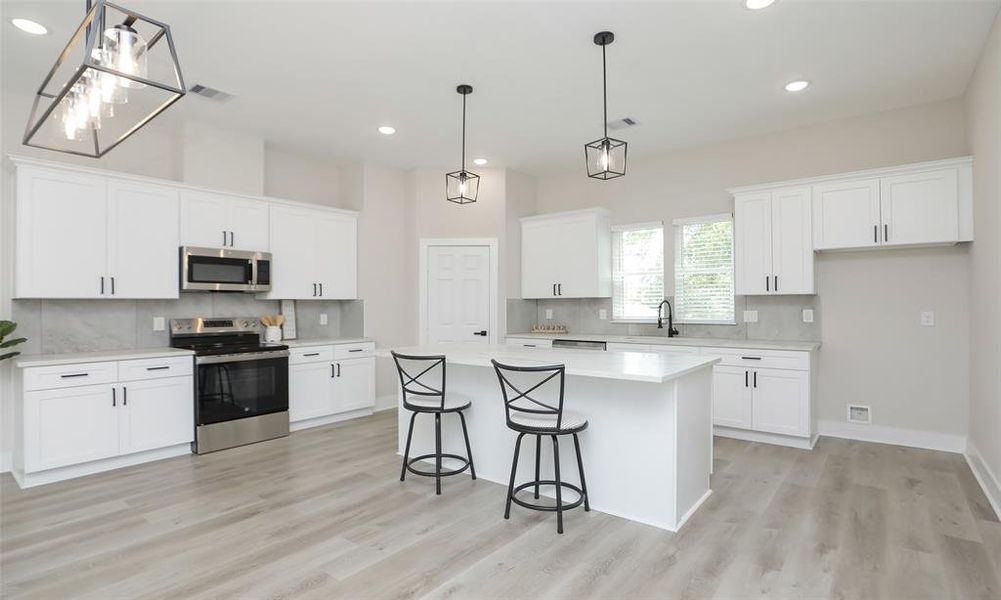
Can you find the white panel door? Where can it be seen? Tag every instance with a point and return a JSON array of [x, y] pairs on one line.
[[731, 397], [294, 254], [70, 426], [311, 391], [792, 242], [846, 214], [337, 255], [204, 219], [61, 235], [143, 240], [920, 208], [458, 294], [575, 250], [752, 218], [780, 403], [355, 388], [156, 413], [540, 255], [247, 222]]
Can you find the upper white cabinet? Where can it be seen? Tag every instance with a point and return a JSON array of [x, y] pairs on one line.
[[90, 236], [920, 208], [846, 214], [566, 255], [214, 220], [314, 253], [773, 245]]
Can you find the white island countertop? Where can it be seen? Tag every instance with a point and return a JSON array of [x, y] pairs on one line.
[[663, 340], [625, 366]]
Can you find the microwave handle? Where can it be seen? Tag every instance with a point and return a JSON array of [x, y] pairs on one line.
[[253, 272]]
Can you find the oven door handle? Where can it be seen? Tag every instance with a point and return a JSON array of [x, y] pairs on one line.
[[232, 358]]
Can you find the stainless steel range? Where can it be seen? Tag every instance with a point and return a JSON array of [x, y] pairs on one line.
[[241, 384]]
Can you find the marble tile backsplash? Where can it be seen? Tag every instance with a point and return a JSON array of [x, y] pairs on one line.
[[55, 326], [779, 318]]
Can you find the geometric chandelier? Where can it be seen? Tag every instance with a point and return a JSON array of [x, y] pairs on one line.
[[606, 157], [462, 186], [118, 71]]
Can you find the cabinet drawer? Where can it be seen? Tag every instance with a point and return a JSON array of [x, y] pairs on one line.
[[311, 354], [763, 359], [357, 350], [153, 368], [529, 342], [62, 376], [669, 349]]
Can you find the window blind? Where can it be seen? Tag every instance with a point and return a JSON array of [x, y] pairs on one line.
[[703, 269], [637, 271]]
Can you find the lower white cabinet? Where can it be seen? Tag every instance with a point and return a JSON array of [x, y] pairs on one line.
[[66, 429], [323, 385], [731, 397], [780, 401]]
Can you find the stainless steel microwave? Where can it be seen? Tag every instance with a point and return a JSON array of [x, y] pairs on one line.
[[224, 270]]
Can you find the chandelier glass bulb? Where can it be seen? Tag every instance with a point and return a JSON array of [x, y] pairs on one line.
[[126, 52]]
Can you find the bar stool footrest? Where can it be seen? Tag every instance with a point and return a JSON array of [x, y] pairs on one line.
[[432, 456], [543, 507]]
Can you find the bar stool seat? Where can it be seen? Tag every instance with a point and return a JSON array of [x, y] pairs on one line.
[[431, 404], [547, 423]]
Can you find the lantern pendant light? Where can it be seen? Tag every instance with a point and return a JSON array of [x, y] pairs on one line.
[[605, 157], [462, 186]]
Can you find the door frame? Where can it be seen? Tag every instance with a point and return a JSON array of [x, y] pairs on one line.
[[422, 282]]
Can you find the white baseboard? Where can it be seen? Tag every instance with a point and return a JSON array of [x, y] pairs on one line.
[[765, 438], [985, 477], [386, 402], [881, 434]]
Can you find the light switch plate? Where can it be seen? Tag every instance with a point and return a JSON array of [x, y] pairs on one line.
[[808, 315], [158, 324], [323, 318], [602, 314], [928, 318], [750, 316]]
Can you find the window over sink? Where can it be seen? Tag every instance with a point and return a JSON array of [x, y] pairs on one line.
[[637, 271], [703, 270]]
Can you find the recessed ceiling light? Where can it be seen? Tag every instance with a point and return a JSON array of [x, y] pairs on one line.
[[29, 26], [387, 130], [797, 86], [758, 4], [479, 161]]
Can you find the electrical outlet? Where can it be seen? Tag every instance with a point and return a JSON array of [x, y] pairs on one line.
[[750, 316], [808, 315], [602, 314], [549, 313], [928, 318], [323, 318], [158, 324]]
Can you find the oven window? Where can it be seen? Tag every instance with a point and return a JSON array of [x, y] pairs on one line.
[[229, 391], [212, 269]]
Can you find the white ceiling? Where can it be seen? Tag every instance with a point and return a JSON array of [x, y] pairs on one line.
[[321, 76]]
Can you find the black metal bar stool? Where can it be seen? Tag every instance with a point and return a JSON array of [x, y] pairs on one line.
[[425, 393], [522, 388]]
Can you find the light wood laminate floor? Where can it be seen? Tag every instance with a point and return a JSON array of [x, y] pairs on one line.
[[321, 514]]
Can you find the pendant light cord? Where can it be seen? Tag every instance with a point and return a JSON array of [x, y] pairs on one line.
[[464, 133], [604, 85]]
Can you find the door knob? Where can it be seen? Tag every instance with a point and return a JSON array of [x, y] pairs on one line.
[[483, 333]]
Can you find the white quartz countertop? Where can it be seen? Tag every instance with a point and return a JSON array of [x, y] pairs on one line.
[[676, 341], [324, 342], [69, 358], [627, 366]]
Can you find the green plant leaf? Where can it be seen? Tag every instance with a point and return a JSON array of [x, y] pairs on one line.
[[6, 328], [13, 342], [9, 355]]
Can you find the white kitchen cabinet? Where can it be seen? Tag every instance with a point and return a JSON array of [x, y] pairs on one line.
[[780, 401], [310, 390], [143, 240], [326, 382], [61, 234], [773, 244], [529, 342], [355, 384], [846, 214], [920, 208], [65, 429], [315, 254], [67, 426], [156, 413], [566, 255], [88, 236], [731, 397], [217, 220]]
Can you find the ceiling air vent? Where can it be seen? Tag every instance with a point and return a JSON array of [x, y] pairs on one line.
[[622, 123], [211, 93]]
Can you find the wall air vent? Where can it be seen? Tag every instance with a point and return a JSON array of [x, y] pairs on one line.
[[858, 413], [210, 93], [622, 123]]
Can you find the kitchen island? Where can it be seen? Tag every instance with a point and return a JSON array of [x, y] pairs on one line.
[[647, 451]]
